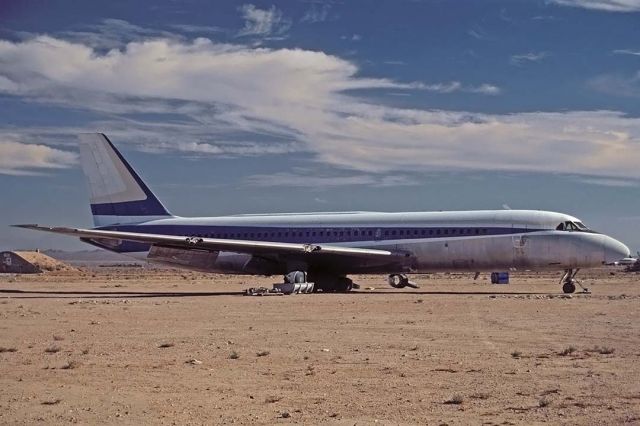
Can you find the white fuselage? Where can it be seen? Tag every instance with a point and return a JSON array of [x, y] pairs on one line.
[[428, 241]]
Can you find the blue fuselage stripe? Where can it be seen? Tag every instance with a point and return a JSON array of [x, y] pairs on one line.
[[312, 234]]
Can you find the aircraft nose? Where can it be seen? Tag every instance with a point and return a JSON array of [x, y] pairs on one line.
[[614, 250]]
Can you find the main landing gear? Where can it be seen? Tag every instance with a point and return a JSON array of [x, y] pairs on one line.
[[400, 281], [329, 283], [569, 282]]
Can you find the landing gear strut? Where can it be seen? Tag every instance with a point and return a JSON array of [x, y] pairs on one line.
[[569, 282], [400, 281]]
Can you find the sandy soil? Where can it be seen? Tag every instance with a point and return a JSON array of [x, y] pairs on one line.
[[130, 346]]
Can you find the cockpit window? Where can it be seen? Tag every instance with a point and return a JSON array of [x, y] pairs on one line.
[[572, 226]]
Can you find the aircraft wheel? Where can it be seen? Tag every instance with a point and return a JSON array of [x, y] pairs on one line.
[[568, 287]]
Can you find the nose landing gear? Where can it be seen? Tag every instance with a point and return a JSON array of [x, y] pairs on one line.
[[569, 282]]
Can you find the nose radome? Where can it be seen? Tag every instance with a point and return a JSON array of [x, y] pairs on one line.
[[614, 250]]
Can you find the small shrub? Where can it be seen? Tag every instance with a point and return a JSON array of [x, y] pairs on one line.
[[263, 353], [166, 345], [543, 402], [568, 351], [234, 355], [480, 395], [456, 399], [58, 338], [53, 349], [272, 399], [604, 350], [516, 354], [51, 402], [3, 349], [70, 365]]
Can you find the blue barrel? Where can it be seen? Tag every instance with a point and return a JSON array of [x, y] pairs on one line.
[[499, 278]]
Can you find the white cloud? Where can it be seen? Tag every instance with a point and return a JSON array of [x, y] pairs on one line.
[[18, 158], [316, 13], [523, 58], [606, 5], [627, 52], [622, 85], [456, 86], [262, 22], [302, 179], [293, 100]]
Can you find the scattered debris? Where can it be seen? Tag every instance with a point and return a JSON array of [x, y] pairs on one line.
[[272, 399], [194, 361], [234, 355], [51, 402], [262, 353], [516, 354], [285, 415], [262, 291], [3, 349], [166, 345]]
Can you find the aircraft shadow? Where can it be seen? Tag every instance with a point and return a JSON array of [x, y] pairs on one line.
[[61, 294], [453, 292], [75, 294]]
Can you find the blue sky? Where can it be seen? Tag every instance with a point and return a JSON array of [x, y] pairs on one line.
[[230, 107]]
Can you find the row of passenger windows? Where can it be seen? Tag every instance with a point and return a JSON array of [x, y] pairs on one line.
[[360, 233]]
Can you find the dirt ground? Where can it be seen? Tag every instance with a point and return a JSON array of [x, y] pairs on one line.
[[137, 346]]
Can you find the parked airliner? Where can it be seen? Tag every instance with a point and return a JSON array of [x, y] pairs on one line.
[[326, 247]]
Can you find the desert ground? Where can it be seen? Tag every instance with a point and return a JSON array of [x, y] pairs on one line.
[[134, 345]]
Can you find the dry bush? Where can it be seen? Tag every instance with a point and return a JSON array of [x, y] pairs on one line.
[[3, 349], [70, 365], [567, 351], [516, 354], [456, 399], [53, 349], [263, 353], [234, 355], [543, 402], [166, 345]]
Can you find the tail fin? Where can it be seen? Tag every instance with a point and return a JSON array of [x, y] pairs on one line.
[[118, 195]]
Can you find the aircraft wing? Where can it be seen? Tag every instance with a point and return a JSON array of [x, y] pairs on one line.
[[213, 244]]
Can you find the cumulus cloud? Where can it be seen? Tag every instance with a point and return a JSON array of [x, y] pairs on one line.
[[18, 158], [263, 22], [238, 100], [606, 5]]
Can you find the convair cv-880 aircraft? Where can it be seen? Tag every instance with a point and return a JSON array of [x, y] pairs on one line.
[[326, 247]]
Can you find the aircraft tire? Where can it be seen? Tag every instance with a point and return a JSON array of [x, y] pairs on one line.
[[568, 287]]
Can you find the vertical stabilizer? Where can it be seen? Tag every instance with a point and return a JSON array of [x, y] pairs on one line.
[[117, 193]]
